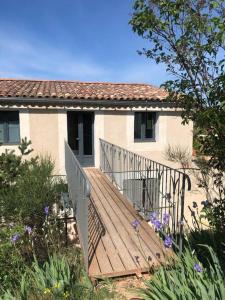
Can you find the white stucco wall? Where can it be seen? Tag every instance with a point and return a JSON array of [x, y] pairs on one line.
[[99, 132], [119, 130], [47, 130], [62, 137], [44, 134]]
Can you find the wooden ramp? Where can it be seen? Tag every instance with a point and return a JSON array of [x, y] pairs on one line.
[[115, 249]]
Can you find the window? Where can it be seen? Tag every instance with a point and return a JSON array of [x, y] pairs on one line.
[[144, 125], [9, 127]]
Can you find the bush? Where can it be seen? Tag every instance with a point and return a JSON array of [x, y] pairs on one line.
[[186, 278], [33, 190], [11, 260], [32, 238], [27, 186], [27, 189], [211, 238], [58, 278]]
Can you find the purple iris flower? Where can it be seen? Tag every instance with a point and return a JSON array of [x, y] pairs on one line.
[[28, 229], [15, 237], [135, 224], [153, 216], [168, 242], [194, 204], [166, 219], [198, 268], [46, 210], [157, 224]]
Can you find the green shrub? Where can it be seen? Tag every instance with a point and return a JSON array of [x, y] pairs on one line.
[[27, 186], [187, 279], [212, 182], [64, 278], [20, 293], [19, 244], [55, 279], [12, 165], [12, 263], [58, 278], [213, 239], [30, 227], [33, 190]]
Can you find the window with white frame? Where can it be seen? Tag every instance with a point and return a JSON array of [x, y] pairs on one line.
[[9, 127]]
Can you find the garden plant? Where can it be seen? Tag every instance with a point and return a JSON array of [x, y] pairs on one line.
[[35, 261]]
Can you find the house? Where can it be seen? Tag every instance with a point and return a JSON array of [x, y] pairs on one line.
[[47, 112], [106, 125]]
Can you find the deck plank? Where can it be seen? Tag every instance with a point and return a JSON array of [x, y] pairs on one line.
[[112, 233], [147, 234], [110, 248], [117, 250], [127, 233]]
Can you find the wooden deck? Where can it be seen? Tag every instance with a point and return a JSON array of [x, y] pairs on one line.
[[115, 249]]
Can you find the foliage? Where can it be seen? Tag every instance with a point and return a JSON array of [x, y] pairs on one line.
[[207, 237], [187, 279], [207, 233], [62, 278], [27, 186], [215, 213], [11, 260], [55, 279], [12, 165], [34, 264], [212, 182], [32, 237], [58, 278], [19, 243], [189, 38]]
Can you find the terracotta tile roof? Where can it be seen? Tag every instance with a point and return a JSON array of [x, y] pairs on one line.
[[79, 90]]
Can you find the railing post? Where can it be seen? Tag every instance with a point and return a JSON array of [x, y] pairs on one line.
[[184, 179]]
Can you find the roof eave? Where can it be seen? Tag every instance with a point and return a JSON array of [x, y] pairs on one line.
[[83, 102]]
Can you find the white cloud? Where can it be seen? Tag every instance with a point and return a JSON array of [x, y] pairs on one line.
[[30, 58], [144, 72], [21, 56]]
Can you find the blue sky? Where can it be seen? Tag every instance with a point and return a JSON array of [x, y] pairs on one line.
[[87, 40]]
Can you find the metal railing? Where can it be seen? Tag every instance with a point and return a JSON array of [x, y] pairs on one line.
[[148, 185], [79, 193], [89, 224]]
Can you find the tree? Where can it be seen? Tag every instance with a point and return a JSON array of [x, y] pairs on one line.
[[189, 38]]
